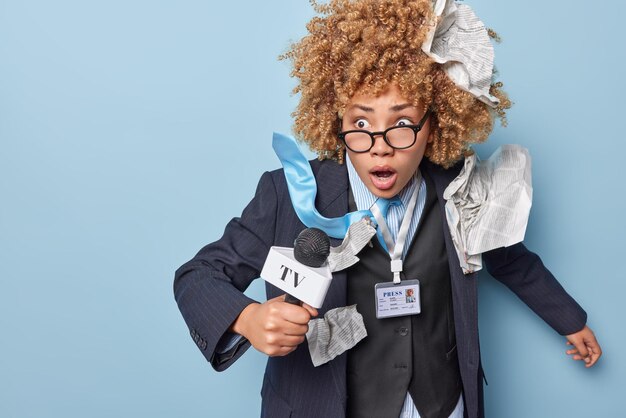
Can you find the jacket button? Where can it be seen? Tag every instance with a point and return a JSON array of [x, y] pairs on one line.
[[404, 331]]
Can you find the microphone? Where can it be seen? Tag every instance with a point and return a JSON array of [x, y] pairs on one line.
[[311, 248], [303, 271]]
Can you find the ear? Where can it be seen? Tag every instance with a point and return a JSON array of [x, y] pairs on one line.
[[339, 122], [431, 136], [433, 129]]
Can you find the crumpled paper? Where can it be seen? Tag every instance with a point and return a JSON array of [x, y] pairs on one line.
[[461, 43], [341, 329], [358, 235], [488, 204]]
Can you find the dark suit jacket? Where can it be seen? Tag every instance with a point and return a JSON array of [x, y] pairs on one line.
[[208, 290]]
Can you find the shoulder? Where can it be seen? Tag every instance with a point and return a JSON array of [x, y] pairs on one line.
[[440, 176], [439, 172], [323, 171], [324, 182]]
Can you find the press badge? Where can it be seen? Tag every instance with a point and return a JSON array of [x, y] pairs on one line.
[[397, 299]]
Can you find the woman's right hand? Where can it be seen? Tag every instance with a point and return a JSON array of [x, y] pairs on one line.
[[275, 327]]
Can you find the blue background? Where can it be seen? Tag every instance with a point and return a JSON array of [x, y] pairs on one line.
[[132, 131]]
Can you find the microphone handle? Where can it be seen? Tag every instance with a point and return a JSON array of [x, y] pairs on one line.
[[292, 300]]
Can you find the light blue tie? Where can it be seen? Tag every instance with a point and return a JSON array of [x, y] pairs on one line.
[[303, 189]]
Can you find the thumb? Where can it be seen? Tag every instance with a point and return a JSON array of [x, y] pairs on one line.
[[581, 347], [280, 298], [312, 311]]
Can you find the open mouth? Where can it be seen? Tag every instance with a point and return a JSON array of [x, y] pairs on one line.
[[383, 177], [383, 173]]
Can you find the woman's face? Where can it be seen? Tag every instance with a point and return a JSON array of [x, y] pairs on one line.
[[385, 170]]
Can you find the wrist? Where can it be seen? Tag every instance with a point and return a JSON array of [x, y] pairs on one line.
[[240, 324]]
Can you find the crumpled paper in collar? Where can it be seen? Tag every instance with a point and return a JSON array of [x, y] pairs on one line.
[[359, 234]]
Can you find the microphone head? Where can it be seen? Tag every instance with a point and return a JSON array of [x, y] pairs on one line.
[[312, 247]]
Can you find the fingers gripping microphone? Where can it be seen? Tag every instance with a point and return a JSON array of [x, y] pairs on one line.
[[311, 248]]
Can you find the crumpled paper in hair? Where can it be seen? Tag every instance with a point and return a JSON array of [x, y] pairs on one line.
[[461, 43], [488, 204]]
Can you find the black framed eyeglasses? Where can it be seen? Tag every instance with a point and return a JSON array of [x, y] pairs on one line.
[[397, 137]]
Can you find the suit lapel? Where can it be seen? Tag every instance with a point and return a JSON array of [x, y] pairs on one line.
[[332, 201], [464, 295], [332, 195]]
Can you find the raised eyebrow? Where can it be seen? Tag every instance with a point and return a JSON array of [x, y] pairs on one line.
[[400, 107], [396, 108], [362, 107]]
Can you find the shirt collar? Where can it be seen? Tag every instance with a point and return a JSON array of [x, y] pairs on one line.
[[365, 199]]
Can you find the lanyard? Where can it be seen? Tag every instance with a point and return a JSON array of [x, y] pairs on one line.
[[396, 249]]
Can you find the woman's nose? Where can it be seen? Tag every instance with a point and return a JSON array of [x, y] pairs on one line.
[[380, 147]]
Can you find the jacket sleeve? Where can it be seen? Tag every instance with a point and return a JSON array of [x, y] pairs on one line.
[[209, 288], [523, 272]]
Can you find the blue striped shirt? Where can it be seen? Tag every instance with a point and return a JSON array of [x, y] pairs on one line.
[[364, 199]]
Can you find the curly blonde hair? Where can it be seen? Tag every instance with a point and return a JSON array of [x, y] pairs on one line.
[[361, 47]]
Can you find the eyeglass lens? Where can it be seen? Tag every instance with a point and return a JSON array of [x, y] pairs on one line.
[[397, 137]]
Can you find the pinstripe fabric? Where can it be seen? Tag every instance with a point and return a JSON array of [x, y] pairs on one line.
[[208, 290], [364, 199]]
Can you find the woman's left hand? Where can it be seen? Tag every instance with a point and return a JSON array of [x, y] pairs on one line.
[[585, 348]]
